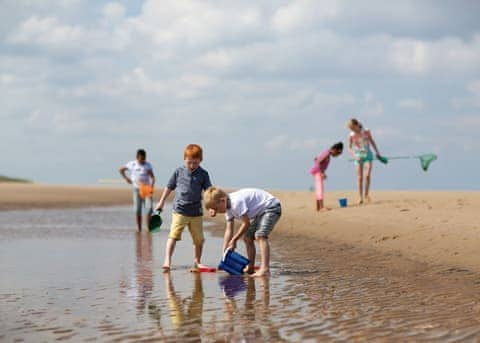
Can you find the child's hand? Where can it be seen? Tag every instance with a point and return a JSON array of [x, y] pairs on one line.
[[159, 206], [232, 244], [212, 212], [324, 176]]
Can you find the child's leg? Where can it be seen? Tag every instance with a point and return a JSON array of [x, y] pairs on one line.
[[139, 222], [249, 239], [359, 169], [319, 190], [195, 226], [251, 253], [368, 172], [169, 249], [137, 207], [265, 226], [265, 254], [197, 253], [178, 224], [148, 210]]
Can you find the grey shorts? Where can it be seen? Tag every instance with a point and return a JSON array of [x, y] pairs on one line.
[[139, 203], [263, 224]]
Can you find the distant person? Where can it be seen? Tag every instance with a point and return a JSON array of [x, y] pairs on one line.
[[258, 212], [359, 142], [140, 175], [188, 182], [318, 172]]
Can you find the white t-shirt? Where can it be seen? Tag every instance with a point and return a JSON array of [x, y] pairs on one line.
[[139, 173], [250, 202]]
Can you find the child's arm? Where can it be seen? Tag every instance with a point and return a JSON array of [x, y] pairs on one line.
[[370, 137], [319, 161], [161, 202], [152, 177], [171, 185], [228, 233], [350, 149], [122, 171], [243, 228]]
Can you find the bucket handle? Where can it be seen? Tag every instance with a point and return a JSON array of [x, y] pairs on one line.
[[225, 254]]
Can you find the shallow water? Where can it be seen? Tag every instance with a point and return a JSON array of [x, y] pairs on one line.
[[85, 275]]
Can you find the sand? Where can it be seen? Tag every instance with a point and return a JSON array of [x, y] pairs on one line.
[[433, 227], [14, 196]]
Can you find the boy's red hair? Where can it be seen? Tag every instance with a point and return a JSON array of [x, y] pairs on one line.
[[193, 151]]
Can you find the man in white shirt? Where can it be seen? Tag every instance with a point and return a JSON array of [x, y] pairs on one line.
[[140, 174]]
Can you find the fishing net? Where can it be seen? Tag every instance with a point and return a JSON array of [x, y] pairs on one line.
[[426, 160]]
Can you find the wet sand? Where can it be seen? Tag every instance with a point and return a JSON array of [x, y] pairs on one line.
[[85, 275], [433, 227]]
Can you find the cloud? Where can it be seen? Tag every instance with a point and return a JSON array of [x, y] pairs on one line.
[[286, 143], [46, 31], [303, 14], [263, 77], [472, 100], [412, 104]]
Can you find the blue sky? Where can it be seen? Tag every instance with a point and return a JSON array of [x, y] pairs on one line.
[[263, 86]]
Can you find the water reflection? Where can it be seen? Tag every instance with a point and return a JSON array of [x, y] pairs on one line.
[[319, 291], [143, 266], [186, 313]]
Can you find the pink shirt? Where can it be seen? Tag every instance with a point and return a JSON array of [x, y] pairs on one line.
[[318, 167]]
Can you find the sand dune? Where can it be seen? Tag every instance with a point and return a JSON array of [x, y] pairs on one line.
[[436, 227]]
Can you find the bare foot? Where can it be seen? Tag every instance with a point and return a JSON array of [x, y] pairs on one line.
[[261, 272], [325, 209], [248, 270], [368, 199], [197, 268], [166, 268], [360, 201]]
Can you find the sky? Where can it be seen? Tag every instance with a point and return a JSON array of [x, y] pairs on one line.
[[262, 86]]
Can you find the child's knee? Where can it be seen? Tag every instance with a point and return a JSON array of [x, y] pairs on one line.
[[261, 239], [248, 239]]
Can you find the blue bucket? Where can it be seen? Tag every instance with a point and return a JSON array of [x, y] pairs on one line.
[[343, 202], [233, 263]]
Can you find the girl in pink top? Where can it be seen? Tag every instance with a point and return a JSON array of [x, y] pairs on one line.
[[359, 143], [318, 172]]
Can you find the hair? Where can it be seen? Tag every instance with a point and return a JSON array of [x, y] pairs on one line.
[[142, 153], [212, 196], [354, 122], [193, 151], [337, 146]]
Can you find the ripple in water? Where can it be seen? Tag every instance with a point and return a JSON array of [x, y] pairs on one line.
[[85, 275]]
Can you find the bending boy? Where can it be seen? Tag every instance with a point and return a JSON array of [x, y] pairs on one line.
[[258, 212]]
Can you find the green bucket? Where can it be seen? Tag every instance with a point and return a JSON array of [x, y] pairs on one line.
[[155, 222]]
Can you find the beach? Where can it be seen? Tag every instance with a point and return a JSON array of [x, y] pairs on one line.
[[432, 227], [401, 268]]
